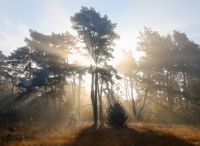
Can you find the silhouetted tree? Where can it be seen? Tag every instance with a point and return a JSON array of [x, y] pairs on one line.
[[117, 116], [98, 34]]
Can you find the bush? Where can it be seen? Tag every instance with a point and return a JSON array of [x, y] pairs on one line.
[[9, 116], [116, 116]]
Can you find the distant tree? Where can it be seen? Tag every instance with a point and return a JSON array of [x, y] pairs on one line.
[[3, 66], [156, 63], [128, 69], [98, 35], [50, 53], [169, 68], [78, 71], [2, 63], [51, 49], [187, 58], [20, 66]]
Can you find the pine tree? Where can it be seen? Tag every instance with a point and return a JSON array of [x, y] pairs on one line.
[[116, 116]]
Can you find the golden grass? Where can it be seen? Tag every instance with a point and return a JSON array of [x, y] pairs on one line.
[[38, 134]]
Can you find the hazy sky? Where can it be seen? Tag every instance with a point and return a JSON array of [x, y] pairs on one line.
[[46, 16]]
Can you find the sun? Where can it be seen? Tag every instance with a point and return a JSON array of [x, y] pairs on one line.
[[79, 59], [125, 45]]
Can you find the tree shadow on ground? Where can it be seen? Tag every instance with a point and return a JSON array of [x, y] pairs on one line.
[[126, 137]]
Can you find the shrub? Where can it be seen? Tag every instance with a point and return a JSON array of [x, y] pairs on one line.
[[116, 116]]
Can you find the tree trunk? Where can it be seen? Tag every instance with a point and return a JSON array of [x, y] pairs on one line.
[[101, 105], [168, 85], [92, 90], [133, 100], [128, 89], [185, 90], [92, 96], [74, 91], [95, 100], [170, 91], [125, 88], [13, 87], [143, 104], [79, 94], [107, 95]]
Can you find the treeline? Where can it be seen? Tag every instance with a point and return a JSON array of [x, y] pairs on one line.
[[165, 79], [162, 85]]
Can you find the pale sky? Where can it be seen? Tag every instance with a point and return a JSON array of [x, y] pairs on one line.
[[46, 16]]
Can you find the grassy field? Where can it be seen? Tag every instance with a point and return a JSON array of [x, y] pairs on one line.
[[135, 135]]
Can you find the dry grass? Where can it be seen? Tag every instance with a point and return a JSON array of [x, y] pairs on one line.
[[136, 135]]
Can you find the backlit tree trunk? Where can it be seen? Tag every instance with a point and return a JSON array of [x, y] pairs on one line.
[[95, 100], [133, 100], [79, 94], [101, 105]]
